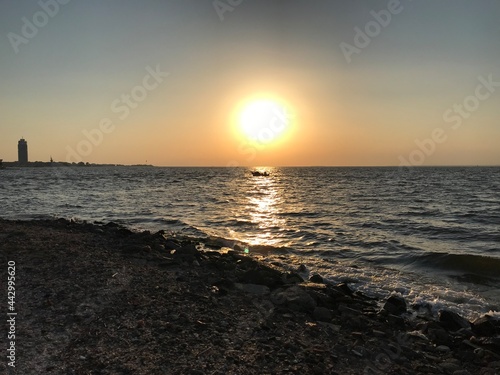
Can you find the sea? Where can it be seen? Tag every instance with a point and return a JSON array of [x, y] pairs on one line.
[[430, 234]]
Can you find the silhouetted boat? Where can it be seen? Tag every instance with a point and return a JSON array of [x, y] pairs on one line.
[[260, 174]]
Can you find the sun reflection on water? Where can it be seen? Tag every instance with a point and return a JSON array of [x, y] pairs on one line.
[[264, 199]]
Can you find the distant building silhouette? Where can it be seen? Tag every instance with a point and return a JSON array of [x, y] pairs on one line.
[[22, 151]]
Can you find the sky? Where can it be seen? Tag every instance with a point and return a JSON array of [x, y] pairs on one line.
[[360, 82]]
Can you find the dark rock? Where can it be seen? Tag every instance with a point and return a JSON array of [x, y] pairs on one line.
[[302, 268], [262, 276], [449, 367], [322, 314], [316, 279], [452, 321], [186, 250], [297, 299], [63, 221], [396, 321], [344, 288], [158, 247], [292, 278], [484, 326], [171, 245], [492, 343], [347, 311], [322, 299], [395, 305], [124, 232], [437, 334]]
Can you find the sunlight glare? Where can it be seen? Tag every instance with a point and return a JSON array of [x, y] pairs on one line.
[[264, 121]]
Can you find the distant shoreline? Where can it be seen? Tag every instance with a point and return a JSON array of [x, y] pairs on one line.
[[40, 164]]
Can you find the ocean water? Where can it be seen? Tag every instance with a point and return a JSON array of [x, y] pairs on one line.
[[430, 234]]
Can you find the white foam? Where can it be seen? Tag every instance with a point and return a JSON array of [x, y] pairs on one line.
[[418, 289]]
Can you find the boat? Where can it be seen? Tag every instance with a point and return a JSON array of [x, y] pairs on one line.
[[260, 174]]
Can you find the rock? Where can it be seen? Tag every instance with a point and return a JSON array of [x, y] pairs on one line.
[[322, 314], [493, 343], [438, 334], [333, 328], [297, 299], [259, 290], [186, 250], [344, 288], [292, 278], [171, 245], [124, 232], [484, 326], [302, 268], [395, 305], [316, 279], [378, 333], [348, 311], [452, 321], [262, 276], [443, 349], [159, 248], [396, 321], [449, 367], [461, 372], [464, 333]]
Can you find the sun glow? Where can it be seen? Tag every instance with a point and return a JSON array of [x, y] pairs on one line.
[[264, 121]]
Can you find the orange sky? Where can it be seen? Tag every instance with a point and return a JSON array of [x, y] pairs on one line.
[[169, 80]]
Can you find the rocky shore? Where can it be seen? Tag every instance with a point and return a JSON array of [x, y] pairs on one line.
[[102, 299]]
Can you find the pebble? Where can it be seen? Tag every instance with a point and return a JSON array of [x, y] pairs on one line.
[[449, 367], [316, 279], [395, 305], [379, 333], [443, 349]]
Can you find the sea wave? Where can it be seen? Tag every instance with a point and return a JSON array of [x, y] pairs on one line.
[[463, 263]]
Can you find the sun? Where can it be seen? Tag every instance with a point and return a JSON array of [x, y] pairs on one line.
[[264, 121]]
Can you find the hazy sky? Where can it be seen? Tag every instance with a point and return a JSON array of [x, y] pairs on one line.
[[364, 82]]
